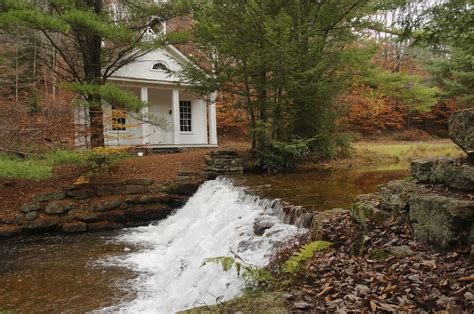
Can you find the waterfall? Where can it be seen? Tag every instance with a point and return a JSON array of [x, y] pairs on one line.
[[217, 221]]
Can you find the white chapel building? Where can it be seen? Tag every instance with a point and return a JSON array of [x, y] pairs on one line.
[[174, 116]]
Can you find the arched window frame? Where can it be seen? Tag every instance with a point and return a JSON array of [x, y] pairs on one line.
[[164, 64]]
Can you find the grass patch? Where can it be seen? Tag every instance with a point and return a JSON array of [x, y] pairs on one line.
[[404, 152], [26, 169], [66, 157], [40, 168], [394, 155]]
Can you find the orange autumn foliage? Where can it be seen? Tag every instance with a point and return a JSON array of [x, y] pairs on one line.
[[232, 121], [370, 115]]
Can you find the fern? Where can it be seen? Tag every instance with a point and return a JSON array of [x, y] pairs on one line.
[[258, 277], [253, 276], [295, 263]]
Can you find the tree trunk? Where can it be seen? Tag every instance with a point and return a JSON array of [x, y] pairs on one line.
[[96, 124], [261, 92], [17, 72], [92, 70]]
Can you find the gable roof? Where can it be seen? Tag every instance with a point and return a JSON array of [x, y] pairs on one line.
[[142, 68]]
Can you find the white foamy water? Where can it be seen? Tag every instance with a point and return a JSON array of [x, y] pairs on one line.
[[216, 221]]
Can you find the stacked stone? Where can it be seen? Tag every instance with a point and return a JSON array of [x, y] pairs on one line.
[[223, 162], [439, 201], [96, 207], [461, 131]]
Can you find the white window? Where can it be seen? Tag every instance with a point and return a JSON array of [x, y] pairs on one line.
[[119, 120], [159, 66], [185, 116]]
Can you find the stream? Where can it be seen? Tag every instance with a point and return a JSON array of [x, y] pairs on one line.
[[157, 268]]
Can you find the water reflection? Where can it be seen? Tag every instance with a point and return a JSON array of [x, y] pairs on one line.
[[319, 189]]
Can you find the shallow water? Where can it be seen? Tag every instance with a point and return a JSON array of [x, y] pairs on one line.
[[157, 268], [319, 189], [61, 274]]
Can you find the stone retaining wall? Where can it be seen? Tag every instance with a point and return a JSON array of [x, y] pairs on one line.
[[223, 162], [438, 217], [97, 207]]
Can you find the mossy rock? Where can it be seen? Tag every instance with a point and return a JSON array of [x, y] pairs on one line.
[[271, 303], [379, 254], [365, 207]]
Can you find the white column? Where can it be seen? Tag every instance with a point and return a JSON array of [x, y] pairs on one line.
[[176, 129], [144, 114], [212, 120]]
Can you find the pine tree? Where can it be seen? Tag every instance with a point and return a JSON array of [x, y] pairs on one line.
[[447, 28], [285, 62]]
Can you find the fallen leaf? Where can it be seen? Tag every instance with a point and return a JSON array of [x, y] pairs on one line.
[[389, 288], [430, 264], [387, 307], [373, 306]]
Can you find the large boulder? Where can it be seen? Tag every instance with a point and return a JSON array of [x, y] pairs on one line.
[[450, 172], [443, 221], [461, 131], [261, 224]]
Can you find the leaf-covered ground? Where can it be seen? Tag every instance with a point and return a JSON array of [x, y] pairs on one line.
[[393, 273]]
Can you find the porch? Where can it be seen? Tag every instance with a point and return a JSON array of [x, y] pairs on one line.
[[173, 118]]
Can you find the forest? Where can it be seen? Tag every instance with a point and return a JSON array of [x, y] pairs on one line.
[[296, 78], [236, 156]]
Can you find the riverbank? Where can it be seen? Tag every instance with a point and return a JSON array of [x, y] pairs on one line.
[[115, 190], [407, 247], [392, 273], [391, 155], [378, 156]]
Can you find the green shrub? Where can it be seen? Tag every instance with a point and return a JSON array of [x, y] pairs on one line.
[[329, 146], [281, 156]]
